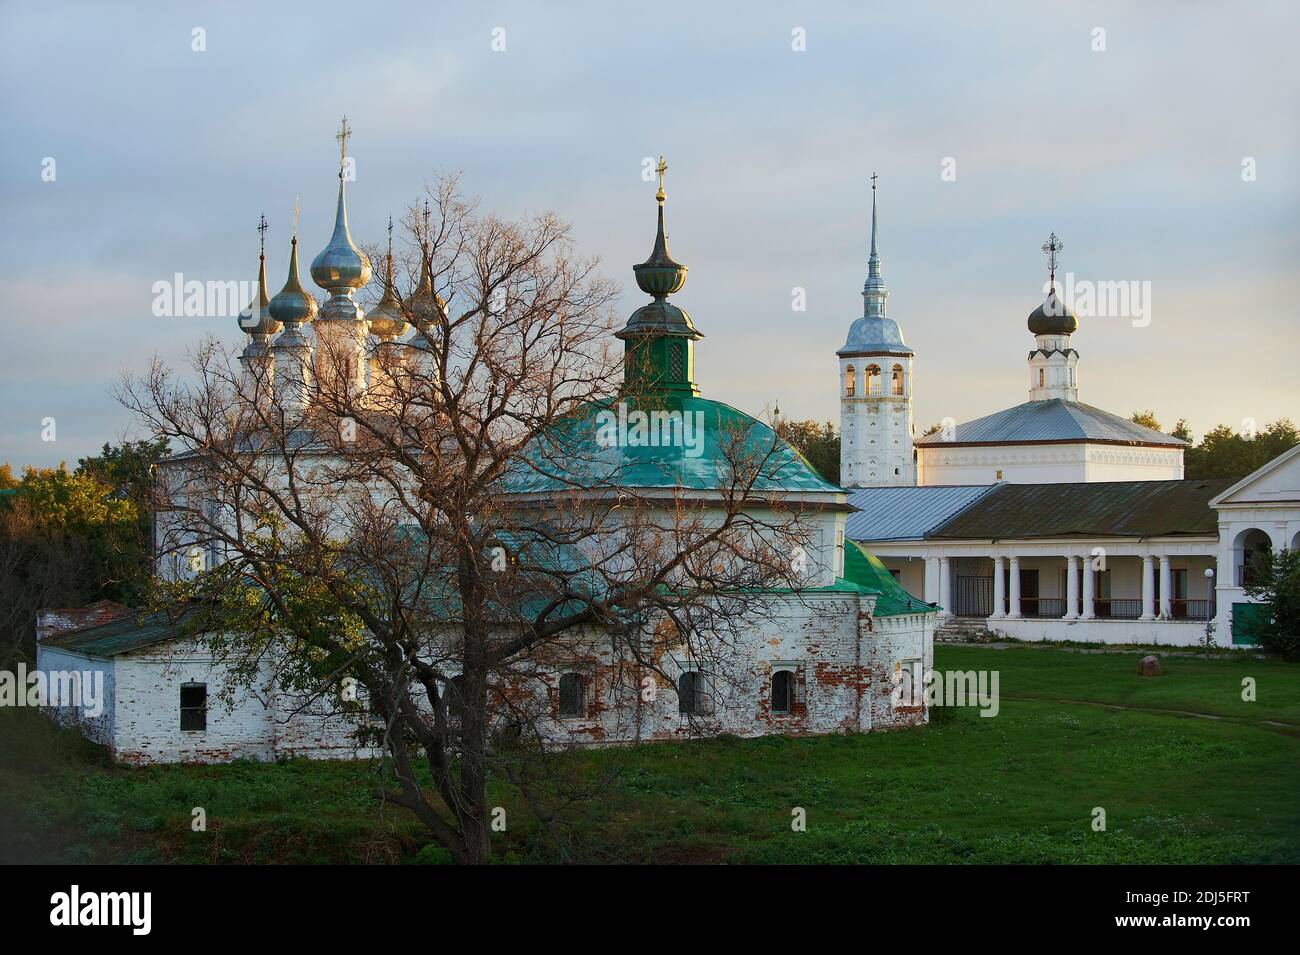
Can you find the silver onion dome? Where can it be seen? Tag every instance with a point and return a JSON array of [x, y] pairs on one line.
[[292, 305], [341, 265]]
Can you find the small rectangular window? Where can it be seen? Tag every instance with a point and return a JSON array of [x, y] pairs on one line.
[[194, 706], [571, 695], [690, 693]]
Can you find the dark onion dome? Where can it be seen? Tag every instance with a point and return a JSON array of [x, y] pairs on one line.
[[1052, 317], [292, 305], [256, 319], [660, 276]]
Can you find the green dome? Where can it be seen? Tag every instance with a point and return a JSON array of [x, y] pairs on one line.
[[577, 452]]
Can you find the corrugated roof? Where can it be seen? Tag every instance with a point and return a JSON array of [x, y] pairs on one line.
[[1052, 420], [906, 513], [1100, 509], [131, 632]]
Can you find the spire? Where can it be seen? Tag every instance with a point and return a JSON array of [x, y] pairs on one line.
[[425, 302], [874, 292]]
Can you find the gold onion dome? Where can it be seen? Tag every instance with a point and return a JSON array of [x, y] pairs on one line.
[[292, 305], [387, 319], [425, 303], [256, 318]]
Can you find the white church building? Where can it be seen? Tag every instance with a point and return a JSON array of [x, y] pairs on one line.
[[1051, 519], [827, 656]]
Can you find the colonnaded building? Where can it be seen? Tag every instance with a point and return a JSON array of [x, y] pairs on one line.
[[1051, 519]]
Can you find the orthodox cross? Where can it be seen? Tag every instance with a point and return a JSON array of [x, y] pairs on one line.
[[344, 133], [261, 233], [1052, 246], [661, 169], [873, 182], [295, 219]]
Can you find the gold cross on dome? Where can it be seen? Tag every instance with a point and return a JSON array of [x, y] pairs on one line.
[[873, 182], [661, 169], [261, 232], [344, 133], [295, 218]]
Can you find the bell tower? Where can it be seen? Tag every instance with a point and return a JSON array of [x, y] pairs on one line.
[[875, 384]]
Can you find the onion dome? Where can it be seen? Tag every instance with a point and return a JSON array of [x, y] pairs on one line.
[[425, 303], [340, 268], [256, 319], [386, 319], [1052, 317], [292, 305]]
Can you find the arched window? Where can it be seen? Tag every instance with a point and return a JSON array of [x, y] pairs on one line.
[[850, 382], [896, 380], [782, 691], [690, 693], [1040, 378], [873, 379], [571, 695]]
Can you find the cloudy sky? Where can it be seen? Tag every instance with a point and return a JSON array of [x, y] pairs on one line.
[[1170, 157]]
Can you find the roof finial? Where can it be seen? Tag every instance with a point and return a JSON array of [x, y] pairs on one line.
[[344, 133], [261, 235], [661, 169], [1052, 246], [388, 266], [295, 220]]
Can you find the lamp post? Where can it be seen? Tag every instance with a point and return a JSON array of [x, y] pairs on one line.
[[1209, 600]]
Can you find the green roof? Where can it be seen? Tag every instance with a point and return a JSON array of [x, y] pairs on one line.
[[863, 568], [571, 455], [132, 632]]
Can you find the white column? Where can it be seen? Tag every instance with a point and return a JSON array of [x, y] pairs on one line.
[[1089, 591], [1072, 588], [932, 580], [1014, 571], [999, 588], [1166, 585], [945, 588], [1148, 589]]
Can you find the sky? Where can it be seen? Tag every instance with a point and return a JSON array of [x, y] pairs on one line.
[[1160, 141]]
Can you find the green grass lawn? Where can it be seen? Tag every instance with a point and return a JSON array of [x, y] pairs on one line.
[[1020, 787]]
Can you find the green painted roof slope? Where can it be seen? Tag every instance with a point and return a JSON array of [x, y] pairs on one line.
[[570, 455], [1099, 509], [863, 568], [132, 632]]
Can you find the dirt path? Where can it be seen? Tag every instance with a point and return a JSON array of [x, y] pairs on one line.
[[1290, 729]]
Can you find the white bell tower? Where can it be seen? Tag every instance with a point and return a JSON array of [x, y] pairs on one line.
[[875, 383]]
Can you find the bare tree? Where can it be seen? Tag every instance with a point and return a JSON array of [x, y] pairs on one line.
[[454, 534]]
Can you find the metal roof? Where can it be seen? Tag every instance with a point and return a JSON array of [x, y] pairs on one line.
[[871, 334], [906, 513], [131, 632], [1052, 420], [1099, 509]]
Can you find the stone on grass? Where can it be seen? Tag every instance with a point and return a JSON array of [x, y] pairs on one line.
[[1149, 666]]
